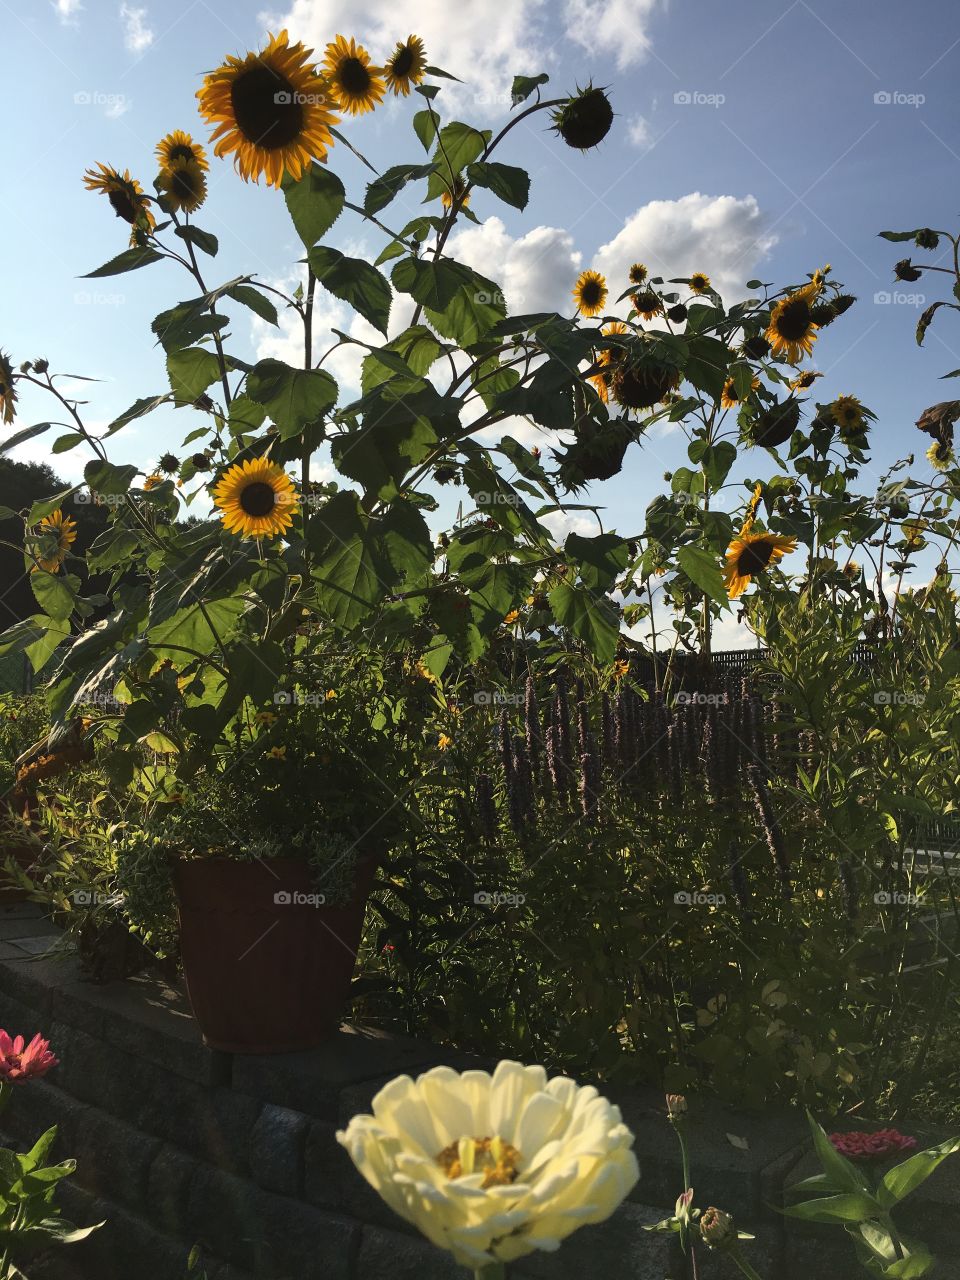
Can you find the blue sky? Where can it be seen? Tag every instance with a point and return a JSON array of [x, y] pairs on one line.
[[751, 139]]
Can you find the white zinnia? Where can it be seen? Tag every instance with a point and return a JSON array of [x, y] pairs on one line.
[[492, 1168]]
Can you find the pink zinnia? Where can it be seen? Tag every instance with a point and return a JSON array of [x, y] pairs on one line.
[[872, 1146], [18, 1063]]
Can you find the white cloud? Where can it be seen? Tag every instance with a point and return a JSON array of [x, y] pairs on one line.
[[638, 131], [484, 42], [614, 27], [137, 36], [725, 236], [118, 107], [536, 272], [66, 9]]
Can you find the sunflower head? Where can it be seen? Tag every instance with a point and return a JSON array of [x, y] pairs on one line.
[[184, 185], [460, 194], [700, 283], [169, 464], [590, 293], [59, 532], [749, 555], [585, 119], [271, 109], [257, 499], [847, 413], [941, 456], [152, 481], [642, 383], [125, 195], [756, 347], [406, 66], [805, 380], [926, 239], [775, 426], [8, 394], [792, 330], [638, 273], [355, 85], [647, 303], [180, 146], [729, 398], [606, 357]]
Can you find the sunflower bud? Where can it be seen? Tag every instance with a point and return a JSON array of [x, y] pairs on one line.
[[757, 347], [168, 464], [41, 365], [717, 1230], [905, 270], [843, 302], [443, 475], [584, 120], [677, 314], [27, 366], [200, 462], [926, 239]]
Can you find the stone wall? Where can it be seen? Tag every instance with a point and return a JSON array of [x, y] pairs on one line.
[[179, 1146]]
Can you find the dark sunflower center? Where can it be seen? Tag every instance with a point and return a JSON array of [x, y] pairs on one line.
[[354, 76], [591, 293], [184, 185], [794, 320], [258, 499], [403, 62], [180, 152], [123, 206], [265, 108], [754, 559]]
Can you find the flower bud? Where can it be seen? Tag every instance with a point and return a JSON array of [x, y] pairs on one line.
[[716, 1229], [676, 1105], [41, 365]]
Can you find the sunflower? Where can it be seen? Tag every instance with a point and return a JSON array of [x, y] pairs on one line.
[[941, 456], [700, 283], [152, 482], [642, 384], [590, 293], [8, 396], [64, 529], [847, 413], [751, 553], [805, 380], [752, 508], [729, 398], [775, 426], [647, 304], [184, 184], [272, 108], [257, 499], [459, 193], [584, 120], [605, 358], [125, 195], [354, 84], [792, 330], [180, 146], [638, 273], [406, 66]]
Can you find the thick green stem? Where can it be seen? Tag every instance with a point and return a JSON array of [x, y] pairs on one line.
[[495, 1272]]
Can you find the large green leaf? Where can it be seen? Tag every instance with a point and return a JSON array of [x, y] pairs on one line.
[[599, 560], [254, 299], [191, 371], [458, 145], [354, 281], [905, 1177], [56, 593], [315, 202], [592, 619], [349, 564], [196, 628], [294, 398], [390, 183], [20, 437], [204, 240], [129, 260], [411, 353], [508, 182], [396, 435], [703, 570], [105, 477], [185, 324], [137, 410], [845, 1207], [523, 86]]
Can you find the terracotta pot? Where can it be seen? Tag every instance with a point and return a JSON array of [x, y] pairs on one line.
[[267, 969]]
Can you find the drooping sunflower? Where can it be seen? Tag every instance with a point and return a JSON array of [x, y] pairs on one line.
[[753, 507], [941, 456], [792, 330], [605, 358], [584, 120], [638, 273], [847, 413], [459, 193], [699, 282], [8, 395], [805, 380], [257, 499], [776, 424], [272, 109], [406, 66], [355, 85], [64, 530], [749, 554], [647, 303], [125, 195], [590, 293], [640, 384], [180, 146], [729, 398], [184, 184]]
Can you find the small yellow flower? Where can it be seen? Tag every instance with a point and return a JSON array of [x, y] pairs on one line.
[[511, 617], [590, 293], [941, 456], [278, 753], [805, 380], [152, 481], [444, 741], [330, 695], [847, 413], [638, 273], [458, 193], [699, 282], [621, 668]]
